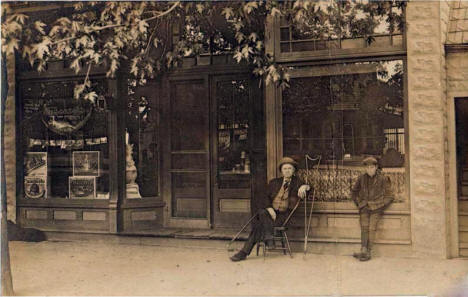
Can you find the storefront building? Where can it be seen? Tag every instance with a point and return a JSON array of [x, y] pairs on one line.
[[200, 144]]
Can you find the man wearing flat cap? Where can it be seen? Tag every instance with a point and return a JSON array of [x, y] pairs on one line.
[[282, 195], [371, 193]]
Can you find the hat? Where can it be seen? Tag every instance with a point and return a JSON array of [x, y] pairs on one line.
[[370, 161], [287, 160]]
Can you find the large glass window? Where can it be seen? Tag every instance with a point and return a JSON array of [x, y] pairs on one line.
[[142, 141], [349, 112], [331, 25], [64, 140]]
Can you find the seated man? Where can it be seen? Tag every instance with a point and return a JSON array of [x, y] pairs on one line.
[[281, 197]]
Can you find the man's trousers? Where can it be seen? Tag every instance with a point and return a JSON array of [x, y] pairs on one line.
[[262, 228], [368, 220]]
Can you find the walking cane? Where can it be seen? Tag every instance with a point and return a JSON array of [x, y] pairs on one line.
[[229, 248], [307, 230]]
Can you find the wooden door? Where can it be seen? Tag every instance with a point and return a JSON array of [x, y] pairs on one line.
[[237, 148], [461, 105], [189, 169]]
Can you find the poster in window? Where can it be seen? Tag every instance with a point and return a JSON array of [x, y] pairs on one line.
[[35, 164], [86, 163], [82, 187], [35, 187]]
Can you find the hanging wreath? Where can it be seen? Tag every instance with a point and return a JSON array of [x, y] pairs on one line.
[[63, 127]]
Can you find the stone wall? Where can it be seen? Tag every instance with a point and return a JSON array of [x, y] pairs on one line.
[[426, 27], [10, 142]]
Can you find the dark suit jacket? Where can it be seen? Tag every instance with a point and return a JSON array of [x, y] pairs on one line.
[[273, 188], [374, 192]]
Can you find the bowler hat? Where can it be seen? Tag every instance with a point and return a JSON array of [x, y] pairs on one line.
[[287, 160], [370, 161]]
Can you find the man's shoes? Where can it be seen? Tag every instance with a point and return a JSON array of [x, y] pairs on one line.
[[361, 254], [239, 256], [365, 257]]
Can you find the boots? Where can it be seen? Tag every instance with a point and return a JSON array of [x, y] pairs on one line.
[[241, 255], [364, 254]]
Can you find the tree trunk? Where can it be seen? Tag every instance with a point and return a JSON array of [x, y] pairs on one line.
[[7, 283]]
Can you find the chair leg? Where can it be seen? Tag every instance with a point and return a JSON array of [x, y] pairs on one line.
[[287, 243], [283, 239]]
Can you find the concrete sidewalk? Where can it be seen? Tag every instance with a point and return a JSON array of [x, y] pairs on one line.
[[190, 267]]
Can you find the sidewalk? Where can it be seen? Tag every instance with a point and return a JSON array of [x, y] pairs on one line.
[[202, 267]]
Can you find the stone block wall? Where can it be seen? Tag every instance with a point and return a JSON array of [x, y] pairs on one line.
[[426, 111]]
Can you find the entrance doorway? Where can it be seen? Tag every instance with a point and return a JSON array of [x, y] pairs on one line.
[[461, 114], [217, 151]]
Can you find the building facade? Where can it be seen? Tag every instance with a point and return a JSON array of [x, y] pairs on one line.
[[194, 149]]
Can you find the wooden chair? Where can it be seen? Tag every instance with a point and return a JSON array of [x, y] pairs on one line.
[[279, 236]]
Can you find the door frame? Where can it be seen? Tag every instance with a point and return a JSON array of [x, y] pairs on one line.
[[452, 208], [169, 220]]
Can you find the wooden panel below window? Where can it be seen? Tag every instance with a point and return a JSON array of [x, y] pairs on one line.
[[234, 205], [65, 215], [94, 216], [144, 215], [36, 215], [193, 208]]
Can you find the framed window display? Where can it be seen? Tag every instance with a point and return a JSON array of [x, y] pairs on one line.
[[63, 137], [82, 187], [86, 163], [35, 187], [35, 163]]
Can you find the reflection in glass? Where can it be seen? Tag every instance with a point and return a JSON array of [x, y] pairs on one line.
[[65, 141], [346, 117], [141, 139]]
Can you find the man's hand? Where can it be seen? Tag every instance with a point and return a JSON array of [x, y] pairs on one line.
[[303, 191]]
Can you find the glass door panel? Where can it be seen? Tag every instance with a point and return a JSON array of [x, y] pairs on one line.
[[189, 151], [232, 147]]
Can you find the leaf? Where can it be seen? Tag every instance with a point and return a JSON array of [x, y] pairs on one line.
[[78, 90], [246, 50], [200, 8], [91, 96], [75, 65], [39, 26], [238, 56], [250, 6], [253, 36], [20, 18], [143, 26], [227, 12], [240, 36], [41, 48]]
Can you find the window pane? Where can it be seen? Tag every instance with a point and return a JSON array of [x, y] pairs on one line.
[[344, 118], [329, 25], [189, 117], [65, 141], [142, 142]]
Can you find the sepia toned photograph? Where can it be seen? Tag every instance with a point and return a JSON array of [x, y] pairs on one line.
[[86, 163], [35, 187], [82, 187], [234, 148]]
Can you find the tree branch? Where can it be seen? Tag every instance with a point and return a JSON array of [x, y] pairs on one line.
[[161, 14]]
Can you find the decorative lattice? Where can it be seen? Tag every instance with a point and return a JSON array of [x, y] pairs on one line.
[[334, 184]]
